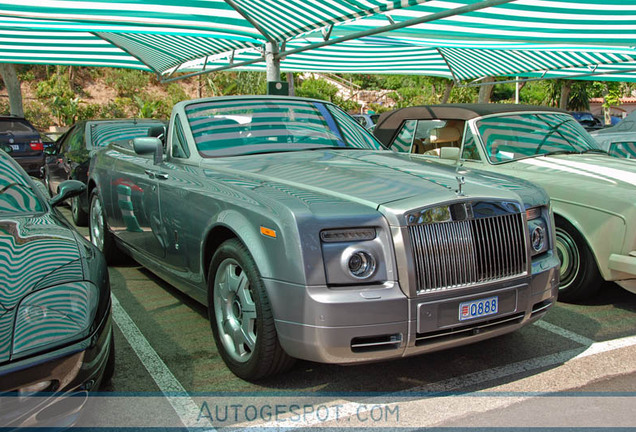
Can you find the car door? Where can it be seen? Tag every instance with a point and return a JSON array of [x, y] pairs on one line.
[[135, 214], [58, 165]]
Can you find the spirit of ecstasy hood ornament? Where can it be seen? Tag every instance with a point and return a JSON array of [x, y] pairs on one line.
[[460, 182]]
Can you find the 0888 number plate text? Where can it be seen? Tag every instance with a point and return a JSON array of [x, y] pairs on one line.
[[478, 308]]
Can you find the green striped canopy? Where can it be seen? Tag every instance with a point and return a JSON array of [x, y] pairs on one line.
[[524, 37]]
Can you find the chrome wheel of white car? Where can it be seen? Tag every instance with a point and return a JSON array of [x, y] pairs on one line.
[[579, 277], [569, 257], [241, 315]]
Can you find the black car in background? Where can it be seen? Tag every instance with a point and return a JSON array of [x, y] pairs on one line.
[[56, 337], [22, 141], [70, 157]]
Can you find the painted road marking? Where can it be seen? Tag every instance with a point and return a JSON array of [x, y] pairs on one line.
[[564, 333], [349, 409], [169, 385]]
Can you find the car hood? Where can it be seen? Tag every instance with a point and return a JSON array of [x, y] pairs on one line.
[[35, 252], [579, 178], [371, 178]]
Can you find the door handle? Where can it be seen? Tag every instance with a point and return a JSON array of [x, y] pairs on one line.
[[161, 176], [151, 173]]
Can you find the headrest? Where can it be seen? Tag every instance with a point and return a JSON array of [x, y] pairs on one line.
[[445, 134]]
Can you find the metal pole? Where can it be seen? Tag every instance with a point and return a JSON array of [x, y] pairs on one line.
[[517, 90], [272, 62]]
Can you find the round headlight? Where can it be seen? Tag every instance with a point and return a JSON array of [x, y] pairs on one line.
[[537, 238], [361, 264]]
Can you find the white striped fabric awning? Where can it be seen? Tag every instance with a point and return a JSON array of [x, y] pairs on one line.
[[533, 37]]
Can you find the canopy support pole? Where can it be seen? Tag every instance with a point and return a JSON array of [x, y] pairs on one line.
[[272, 62]]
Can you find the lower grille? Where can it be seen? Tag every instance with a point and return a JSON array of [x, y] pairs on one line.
[[461, 253]]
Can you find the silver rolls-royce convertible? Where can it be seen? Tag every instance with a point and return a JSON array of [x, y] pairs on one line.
[[307, 239]]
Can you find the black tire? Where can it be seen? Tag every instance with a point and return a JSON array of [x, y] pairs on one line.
[[97, 225], [242, 320], [80, 217], [580, 278], [109, 369]]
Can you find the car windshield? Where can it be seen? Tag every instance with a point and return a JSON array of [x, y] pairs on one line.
[[16, 194], [518, 136], [252, 126], [105, 132]]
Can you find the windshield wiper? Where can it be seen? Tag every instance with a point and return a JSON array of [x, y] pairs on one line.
[[593, 151], [559, 152]]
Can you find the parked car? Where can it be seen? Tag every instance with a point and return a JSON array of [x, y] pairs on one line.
[[593, 195], [22, 141], [368, 121], [589, 121], [619, 140], [306, 239], [71, 154], [56, 339]]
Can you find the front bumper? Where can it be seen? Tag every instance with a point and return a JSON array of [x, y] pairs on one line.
[[73, 371], [367, 324], [625, 266]]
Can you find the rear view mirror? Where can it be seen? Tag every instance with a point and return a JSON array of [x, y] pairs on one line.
[[149, 145], [68, 189]]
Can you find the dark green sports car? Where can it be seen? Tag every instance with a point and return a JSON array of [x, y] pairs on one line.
[[56, 337]]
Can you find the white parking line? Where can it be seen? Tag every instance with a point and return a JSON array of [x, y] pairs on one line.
[[344, 410], [564, 333], [169, 385]]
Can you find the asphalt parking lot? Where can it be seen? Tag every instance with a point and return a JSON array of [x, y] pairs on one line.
[[575, 368]]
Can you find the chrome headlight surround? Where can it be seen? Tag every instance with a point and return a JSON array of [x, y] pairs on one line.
[[54, 316], [538, 232], [353, 256]]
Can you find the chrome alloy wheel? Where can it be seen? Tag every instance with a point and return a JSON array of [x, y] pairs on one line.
[[569, 256], [235, 310], [97, 229]]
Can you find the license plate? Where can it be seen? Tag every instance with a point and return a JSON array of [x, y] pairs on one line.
[[478, 308], [15, 147]]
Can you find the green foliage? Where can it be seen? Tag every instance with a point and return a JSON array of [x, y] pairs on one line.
[[113, 110], [579, 97], [317, 89], [237, 83], [5, 109], [62, 101], [39, 114], [146, 108], [127, 82], [464, 94]]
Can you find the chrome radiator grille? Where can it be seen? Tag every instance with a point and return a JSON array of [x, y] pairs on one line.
[[459, 253]]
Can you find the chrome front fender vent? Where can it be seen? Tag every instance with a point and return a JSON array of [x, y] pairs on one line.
[[465, 244]]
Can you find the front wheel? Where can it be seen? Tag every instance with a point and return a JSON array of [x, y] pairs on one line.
[[101, 237], [241, 315], [80, 217], [579, 275]]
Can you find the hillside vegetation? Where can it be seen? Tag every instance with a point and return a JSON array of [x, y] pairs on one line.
[[59, 95]]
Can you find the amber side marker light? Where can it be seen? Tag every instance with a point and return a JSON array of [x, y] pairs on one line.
[[268, 232]]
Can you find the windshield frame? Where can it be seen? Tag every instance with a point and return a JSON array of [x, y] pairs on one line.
[[575, 148]]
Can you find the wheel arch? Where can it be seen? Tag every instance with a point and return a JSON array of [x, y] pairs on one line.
[[231, 224], [576, 225]]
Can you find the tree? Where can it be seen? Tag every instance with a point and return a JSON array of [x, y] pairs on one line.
[[11, 81], [485, 91]]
